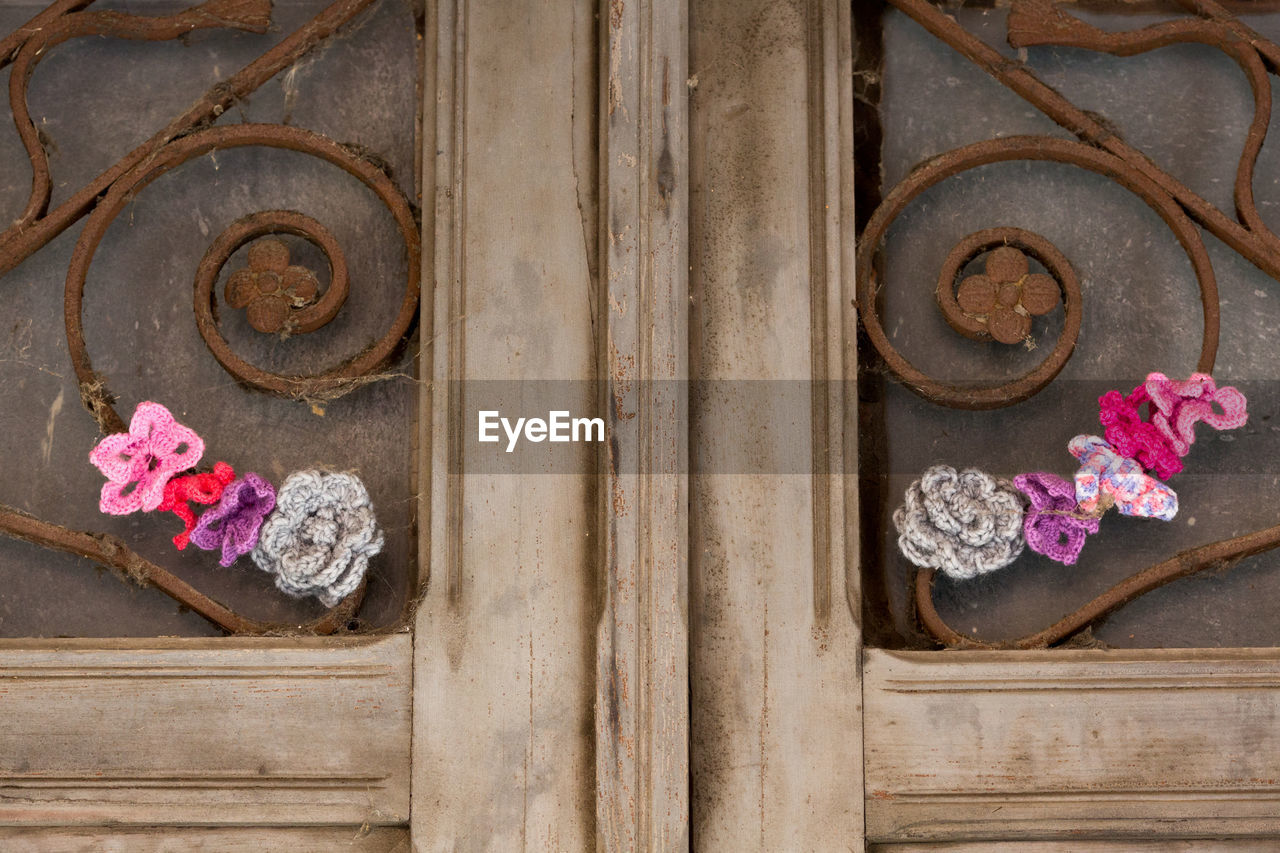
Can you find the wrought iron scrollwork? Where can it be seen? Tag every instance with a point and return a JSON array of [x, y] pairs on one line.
[[1101, 150], [186, 136]]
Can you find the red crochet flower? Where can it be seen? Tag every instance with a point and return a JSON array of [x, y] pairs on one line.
[[201, 488]]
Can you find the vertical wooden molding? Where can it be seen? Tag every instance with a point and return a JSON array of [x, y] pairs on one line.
[[448, 343], [642, 721], [504, 645], [776, 692]]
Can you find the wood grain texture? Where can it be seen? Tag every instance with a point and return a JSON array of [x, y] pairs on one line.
[[776, 700], [1079, 744], [153, 839], [642, 721], [204, 731], [505, 663], [1199, 845]]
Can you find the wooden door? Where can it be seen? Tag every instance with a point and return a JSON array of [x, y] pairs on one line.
[[628, 649], [1155, 731]]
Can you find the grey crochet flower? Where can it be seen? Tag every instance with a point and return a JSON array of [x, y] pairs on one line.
[[964, 524], [320, 537]]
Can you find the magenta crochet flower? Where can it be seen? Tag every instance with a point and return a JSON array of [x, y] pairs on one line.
[[138, 463], [1175, 408], [1055, 525], [234, 523], [1131, 436], [1181, 405]]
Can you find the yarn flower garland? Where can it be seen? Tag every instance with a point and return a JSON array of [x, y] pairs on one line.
[[316, 536], [972, 523]]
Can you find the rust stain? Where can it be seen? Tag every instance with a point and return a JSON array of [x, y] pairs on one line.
[[616, 8], [620, 508], [621, 369]]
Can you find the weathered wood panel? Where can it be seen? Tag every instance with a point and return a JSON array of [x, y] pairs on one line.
[[194, 839], [642, 688], [1040, 745], [1200, 845], [776, 700], [205, 731], [505, 657]]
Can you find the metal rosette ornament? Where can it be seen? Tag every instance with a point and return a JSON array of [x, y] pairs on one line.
[[998, 303], [278, 297]]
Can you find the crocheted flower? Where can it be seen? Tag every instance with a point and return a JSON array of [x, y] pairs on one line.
[[1130, 435], [138, 463], [1006, 297], [963, 524], [1181, 405], [201, 488], [1054, 525], [320, 537], [270, 287], [1106, 477], [233, 524]]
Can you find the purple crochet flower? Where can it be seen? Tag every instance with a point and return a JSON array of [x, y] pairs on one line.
[[234, 523], [1052, 526]]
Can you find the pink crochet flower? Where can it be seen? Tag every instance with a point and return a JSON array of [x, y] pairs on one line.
[[1181, 405], [138, 463]]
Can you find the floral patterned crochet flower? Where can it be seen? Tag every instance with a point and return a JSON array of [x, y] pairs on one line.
[[138, 463], [1181, 405], [1106, 477], [201, 488], [321, 536], [1007, 295], [1055, 525], [233, 524], [270, 287]]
